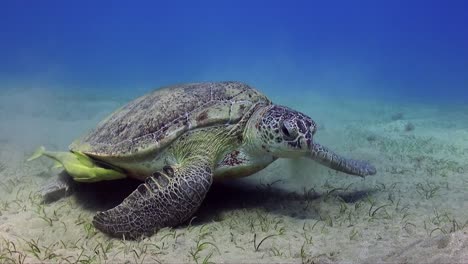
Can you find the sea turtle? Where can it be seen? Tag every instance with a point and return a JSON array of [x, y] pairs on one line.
[[177, 140]]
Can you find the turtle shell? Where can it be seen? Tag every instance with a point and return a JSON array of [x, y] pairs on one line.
[[153, 121]]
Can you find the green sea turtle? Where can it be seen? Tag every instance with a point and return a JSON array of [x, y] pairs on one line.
[[177, 140]]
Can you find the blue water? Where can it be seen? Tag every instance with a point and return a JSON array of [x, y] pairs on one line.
[[408, 50], [411, 54]]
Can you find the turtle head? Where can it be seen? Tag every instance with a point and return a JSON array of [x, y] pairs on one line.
[[284, 132]]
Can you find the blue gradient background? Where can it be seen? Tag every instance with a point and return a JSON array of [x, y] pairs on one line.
[[408, 50]]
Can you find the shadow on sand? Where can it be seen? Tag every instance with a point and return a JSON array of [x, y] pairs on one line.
[[223, 196]]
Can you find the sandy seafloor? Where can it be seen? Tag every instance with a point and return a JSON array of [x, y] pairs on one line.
[[415, 210]]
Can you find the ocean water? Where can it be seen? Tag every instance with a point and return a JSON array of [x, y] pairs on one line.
[[386, 82]]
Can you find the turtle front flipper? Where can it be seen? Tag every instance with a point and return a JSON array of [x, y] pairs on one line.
[[166, 199], [334, 161]]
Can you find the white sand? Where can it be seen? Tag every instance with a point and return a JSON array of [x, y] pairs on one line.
[[413, 211]]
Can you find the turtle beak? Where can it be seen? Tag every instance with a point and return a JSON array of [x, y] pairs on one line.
[[304, 145], [307, 129], [309, 137]]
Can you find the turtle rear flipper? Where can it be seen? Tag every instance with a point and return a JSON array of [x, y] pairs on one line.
[[81, 167], [167, 198], [57, 188]]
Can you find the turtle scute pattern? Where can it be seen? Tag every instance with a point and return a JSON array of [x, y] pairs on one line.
[[167, 198], [154, 120]]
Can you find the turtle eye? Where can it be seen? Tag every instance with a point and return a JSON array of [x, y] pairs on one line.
[[285, 131], [289, 132]]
